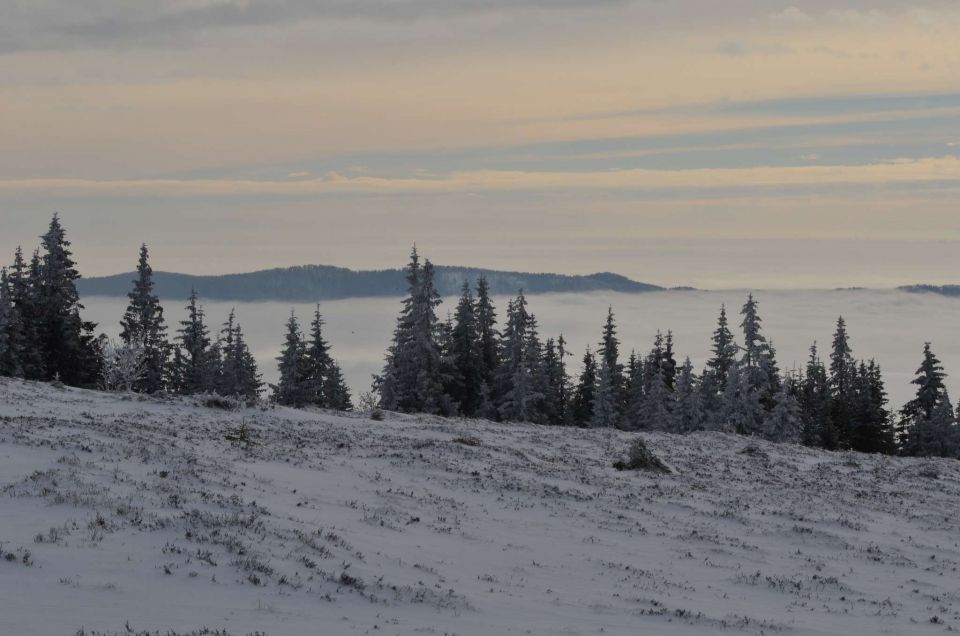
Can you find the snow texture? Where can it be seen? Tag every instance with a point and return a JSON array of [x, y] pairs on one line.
[[126, 513]]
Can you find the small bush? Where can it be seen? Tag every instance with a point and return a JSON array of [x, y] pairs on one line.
[[220, 402], [930, 471], [468, 440], [640, 458], [754, 451]]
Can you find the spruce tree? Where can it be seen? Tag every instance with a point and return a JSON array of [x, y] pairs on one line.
[[842, 372], [336, 395], [742, 411], [784, 423], [24, 296], [609, 353], [319, 365], [687, 406], [68, 347], [870, 427], [196, 357], [655, 412], [724, 352], [583, 396], [814, 399], [412, 379], [238, 376], [9, 332], [556, 392], [925, 426], [466, 355], [143, 325], [606, 399], [669, 362], [520, 381], [292, 388], [758, 367], [486, 320]]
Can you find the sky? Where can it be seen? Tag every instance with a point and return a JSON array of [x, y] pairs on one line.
[[744, 143]]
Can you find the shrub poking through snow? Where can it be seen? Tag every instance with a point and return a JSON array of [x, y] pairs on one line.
[[754, 450], [639, 457]]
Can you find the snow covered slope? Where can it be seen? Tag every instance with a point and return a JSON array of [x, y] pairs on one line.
[[128, 513]]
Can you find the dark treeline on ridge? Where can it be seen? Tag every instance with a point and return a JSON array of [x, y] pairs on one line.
[[473, 365], [311, 283]]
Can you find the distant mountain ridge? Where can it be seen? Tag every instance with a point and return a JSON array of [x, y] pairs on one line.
[[945, 290], [309, 283]]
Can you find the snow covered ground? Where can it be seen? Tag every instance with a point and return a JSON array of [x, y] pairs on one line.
[[126, 513], [887, 324]]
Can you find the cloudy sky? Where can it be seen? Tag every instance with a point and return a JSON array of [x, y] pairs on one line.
[[722, 144]]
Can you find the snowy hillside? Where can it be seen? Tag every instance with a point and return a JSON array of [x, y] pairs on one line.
[[123, 514]]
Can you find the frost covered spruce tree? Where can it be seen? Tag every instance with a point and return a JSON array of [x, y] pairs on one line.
[[67, 348], [24, 296], [842, 374], [814, 398], [585, 391], [928, 425], [9, 331], [239, 376], [198, 361], [784, 423], [292, 388], [412, 380], [487, 336], [687, 406], [871, 428], [609, 353], [557, 397], [606, 411], [519, 381], [466, 380], [143, 328]]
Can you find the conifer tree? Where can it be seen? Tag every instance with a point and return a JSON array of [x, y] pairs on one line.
[[466, 355], [758, 373], [9, 332], [519, 376], [724, 352], [318, 365], [926, 427], [814, 399], [687, 407], [669, 362], [336, 395], [842, 372], [606, 399], [412, 379], [196, 357], [69, 349], [742, 411], [870, 429], [582, 407], [655, 410], [486, 319], [238, 376], [24, 296], [143, 325], [609, 353], [785, 422], [556, 393], [292, 388]]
